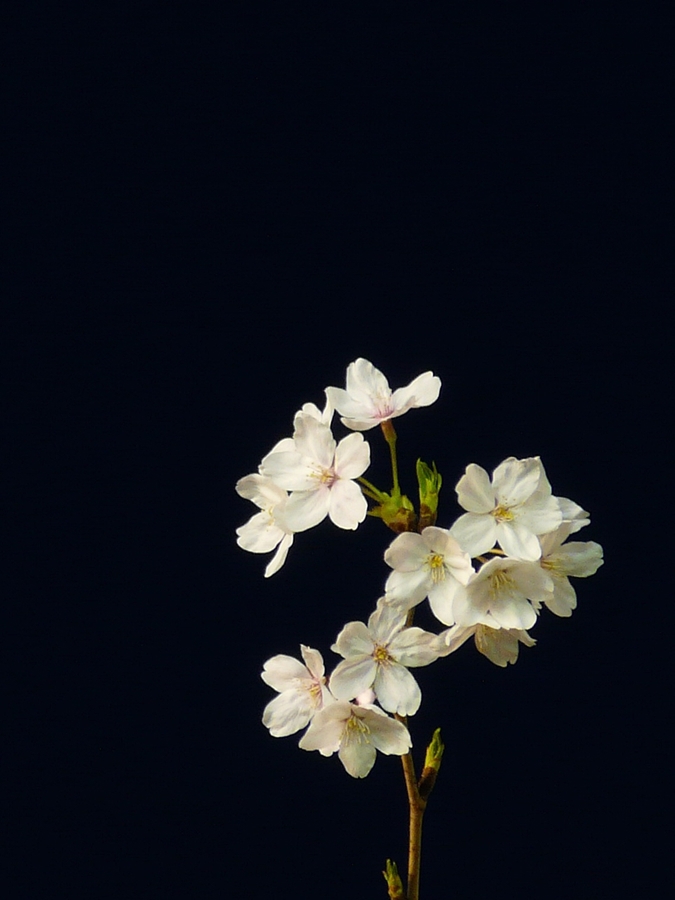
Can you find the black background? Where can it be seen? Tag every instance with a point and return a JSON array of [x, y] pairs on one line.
[[211, 212]]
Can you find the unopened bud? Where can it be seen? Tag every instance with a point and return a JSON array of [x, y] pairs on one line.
[[429, 481], [393, 879]]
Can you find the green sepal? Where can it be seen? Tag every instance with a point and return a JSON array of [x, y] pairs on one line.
[[397, 513]]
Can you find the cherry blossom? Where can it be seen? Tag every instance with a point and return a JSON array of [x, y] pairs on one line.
[[368, 399], [302, 691], [267, 529], [560, 560], [378, 655], [320, 474], [512, 509], [431, 564], [500, 645], [355, 733], [499, 594]]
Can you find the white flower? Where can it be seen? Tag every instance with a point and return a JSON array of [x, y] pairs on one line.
[[267, 529], [355, 732], [576, 558], [369, 400], [320, 475], [500, 645], [302, 691], [431, 564], [498, 595], [377, 656], [512, 509]]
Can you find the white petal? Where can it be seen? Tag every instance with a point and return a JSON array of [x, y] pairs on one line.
[[407, 589], [468, 608], [563, 599], [518, 541], [279, 557], [385, 622], [347, 507], [344, 404], [352, 456], [442, 597], [288, 713], [452, 639], [475, 534], [352, 677], [313, 660], [314, 440], [579, 558], [325, 730], [422, 391], [397, 690], [357, 756], [528, 577], [499, 645], [542, 515], [364, 381], [259, 534], [414, 647], [305, 509], [474, 491], [513, 612], [260, 490], [388, 735], [282, 672], [515, 480], [354, 640], [407, 552], [290, 470]]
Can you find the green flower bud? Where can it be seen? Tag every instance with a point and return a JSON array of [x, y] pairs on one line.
[[429, 481], [394, 883]]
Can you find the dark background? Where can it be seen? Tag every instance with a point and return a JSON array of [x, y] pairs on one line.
[[211, 212]]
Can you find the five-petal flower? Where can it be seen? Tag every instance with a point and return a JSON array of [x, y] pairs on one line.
[[355, 733], [560, 560], [498, 594], [302, 691], [368, 399], [512, 509], [267, 529], [377, 656], [431, 564], [500, 645], [320, 474]]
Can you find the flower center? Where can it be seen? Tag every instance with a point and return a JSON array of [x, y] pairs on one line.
[[315, 690], [501, 583], [383, 404], [381, 654], [502, 514], [326, 476], [553, 566], [356, 730], [435, 563]]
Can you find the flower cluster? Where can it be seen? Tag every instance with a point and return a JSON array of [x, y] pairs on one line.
[[487, 576], [308, 477]]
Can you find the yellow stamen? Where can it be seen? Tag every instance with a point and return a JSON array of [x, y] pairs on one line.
[[381, 654], [435, 562], [502, 514], [500, 581]]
